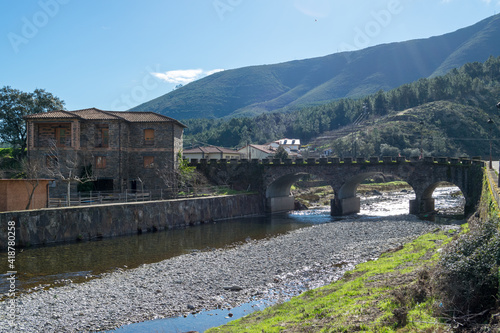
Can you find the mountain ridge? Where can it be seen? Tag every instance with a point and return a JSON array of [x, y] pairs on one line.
[[253, 90]]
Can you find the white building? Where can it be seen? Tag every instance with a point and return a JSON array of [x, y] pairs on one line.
[[256, 152], [290, 145]]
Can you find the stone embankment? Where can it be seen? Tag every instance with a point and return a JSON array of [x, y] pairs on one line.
[[55, 225], [223, 278]]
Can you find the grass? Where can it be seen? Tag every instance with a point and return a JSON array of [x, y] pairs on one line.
[[385, 295], [389, 186], [229, 191]]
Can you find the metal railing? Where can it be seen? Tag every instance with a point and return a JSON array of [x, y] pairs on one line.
[[107, 197]]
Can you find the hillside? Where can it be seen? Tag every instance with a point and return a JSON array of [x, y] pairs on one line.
[[442, 128], [445, 116], [255, 90]]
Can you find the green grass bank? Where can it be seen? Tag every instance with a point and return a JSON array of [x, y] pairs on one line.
[[440, 282]]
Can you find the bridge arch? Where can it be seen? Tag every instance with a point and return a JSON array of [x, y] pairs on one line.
[[278, 192], [346, 202], [426, 195], [349, 187]]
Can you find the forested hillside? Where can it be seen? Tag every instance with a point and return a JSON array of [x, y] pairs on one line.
[[445, 115], [255, 90]]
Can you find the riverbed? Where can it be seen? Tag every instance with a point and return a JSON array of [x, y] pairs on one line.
[[251, 270]]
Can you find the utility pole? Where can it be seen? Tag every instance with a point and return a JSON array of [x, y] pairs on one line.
[[421, 139], [490, 122]]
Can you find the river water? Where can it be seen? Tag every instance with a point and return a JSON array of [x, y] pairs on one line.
[[45, 267]]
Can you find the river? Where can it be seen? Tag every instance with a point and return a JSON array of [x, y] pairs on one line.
[[46, 267]]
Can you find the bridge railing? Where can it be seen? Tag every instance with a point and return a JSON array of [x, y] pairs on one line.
[[346, 160]]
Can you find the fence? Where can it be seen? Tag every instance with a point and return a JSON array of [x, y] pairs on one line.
[[105, 197]]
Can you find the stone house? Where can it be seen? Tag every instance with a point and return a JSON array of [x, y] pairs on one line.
[[210, 152], [124, 149]]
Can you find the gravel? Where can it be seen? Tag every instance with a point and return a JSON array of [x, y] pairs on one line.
[[269, 269]]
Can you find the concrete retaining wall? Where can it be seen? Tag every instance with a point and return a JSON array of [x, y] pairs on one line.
[[45, 226]]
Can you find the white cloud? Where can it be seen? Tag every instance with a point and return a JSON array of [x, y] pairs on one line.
[[184, 76]]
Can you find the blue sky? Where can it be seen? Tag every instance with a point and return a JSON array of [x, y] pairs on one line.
[[116, 54]]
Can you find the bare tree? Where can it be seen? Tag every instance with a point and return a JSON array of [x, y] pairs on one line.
[[32, 170], [69, 166], [169, 174]]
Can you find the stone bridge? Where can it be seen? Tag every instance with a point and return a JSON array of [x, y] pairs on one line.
[[273, 178]]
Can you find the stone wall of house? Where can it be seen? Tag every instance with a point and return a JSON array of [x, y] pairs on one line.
[[167, 142], [178, 133], [46, 134], [121, 160], [113, 159], [46, 226]]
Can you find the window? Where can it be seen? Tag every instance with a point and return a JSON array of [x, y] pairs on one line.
[[149, 136], [100, 162], [103, 140], [149, 162], [62, 134]]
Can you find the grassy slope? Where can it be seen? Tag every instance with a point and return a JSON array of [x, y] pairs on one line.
[[363, 300], [390, 294]]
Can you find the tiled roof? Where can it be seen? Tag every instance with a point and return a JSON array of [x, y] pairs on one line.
[[141, 116], [265, 148], [96, 114], [51, 115], [210, 149]]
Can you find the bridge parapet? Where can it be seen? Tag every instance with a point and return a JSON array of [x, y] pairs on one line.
[[387, 159], [428, 159], [346, 160]]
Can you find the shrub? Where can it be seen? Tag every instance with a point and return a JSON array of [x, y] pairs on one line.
[[466, 276]]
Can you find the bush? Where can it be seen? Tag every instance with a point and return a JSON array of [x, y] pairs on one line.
[[466, 276], [388, 150]]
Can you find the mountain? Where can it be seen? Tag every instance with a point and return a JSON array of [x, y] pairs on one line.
[[444, 115], [259, 89]]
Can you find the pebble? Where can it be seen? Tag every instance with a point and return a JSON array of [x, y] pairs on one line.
[[270, 269]]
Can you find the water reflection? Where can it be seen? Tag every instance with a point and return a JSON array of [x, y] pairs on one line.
[[78, 261]]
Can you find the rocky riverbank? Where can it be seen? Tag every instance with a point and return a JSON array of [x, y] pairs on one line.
[[223, 278]]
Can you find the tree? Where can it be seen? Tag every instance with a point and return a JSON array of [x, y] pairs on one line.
[[67, 166], [380, 103], [15, 104], [179, 176], [32, 170], [281, 153]]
